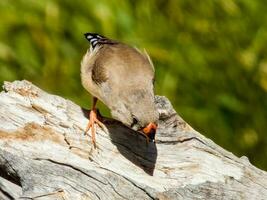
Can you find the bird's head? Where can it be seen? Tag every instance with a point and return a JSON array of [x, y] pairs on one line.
[[145, 119], [138, 112]]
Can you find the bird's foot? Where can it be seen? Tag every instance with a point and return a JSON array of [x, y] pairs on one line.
[[91, 126]]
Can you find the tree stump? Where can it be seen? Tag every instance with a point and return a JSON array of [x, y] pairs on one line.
[[44, 154]]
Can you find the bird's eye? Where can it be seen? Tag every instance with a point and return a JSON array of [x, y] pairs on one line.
[[134, 121]]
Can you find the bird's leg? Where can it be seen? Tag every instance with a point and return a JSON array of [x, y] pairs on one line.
[[92, 120]]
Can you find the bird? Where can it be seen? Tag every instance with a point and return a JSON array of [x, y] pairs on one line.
[[122, 77]]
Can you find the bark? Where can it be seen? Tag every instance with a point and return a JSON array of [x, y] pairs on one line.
[[44, 154]]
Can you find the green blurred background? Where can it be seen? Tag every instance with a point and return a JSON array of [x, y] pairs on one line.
[[210, 57]]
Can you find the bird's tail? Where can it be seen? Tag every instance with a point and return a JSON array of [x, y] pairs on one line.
[[94, 38]]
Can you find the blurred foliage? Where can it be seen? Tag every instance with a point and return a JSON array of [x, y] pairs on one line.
[[210, 57]]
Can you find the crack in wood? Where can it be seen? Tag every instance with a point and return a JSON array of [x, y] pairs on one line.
[[9, 196], [180, 141], [131, 182], [71, 166]]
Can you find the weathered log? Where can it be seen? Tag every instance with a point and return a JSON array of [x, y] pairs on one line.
[[44, 154]]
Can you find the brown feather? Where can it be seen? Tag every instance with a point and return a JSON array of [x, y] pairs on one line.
[[98, 73]]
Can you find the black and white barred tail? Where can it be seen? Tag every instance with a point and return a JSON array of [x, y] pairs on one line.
[[94, 38]]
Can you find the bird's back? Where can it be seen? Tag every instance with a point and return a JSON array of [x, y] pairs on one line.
[[125, 65]]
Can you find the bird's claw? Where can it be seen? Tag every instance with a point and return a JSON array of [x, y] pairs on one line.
[[91, 126]]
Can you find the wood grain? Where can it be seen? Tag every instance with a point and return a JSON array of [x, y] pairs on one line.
[[44, 154]]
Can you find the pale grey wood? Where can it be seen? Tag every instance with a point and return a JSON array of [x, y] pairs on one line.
[[44, 154]]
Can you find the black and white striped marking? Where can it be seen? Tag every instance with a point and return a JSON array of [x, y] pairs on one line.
[[93, 38]]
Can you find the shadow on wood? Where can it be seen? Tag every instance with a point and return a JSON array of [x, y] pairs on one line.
[[131, 144]]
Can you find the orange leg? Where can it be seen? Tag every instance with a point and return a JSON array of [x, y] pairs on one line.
[[92, 120]]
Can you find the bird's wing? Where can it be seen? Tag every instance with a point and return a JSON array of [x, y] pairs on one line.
[[99, 74]]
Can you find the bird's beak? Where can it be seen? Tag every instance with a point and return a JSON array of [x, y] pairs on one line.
[[150, 130]]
